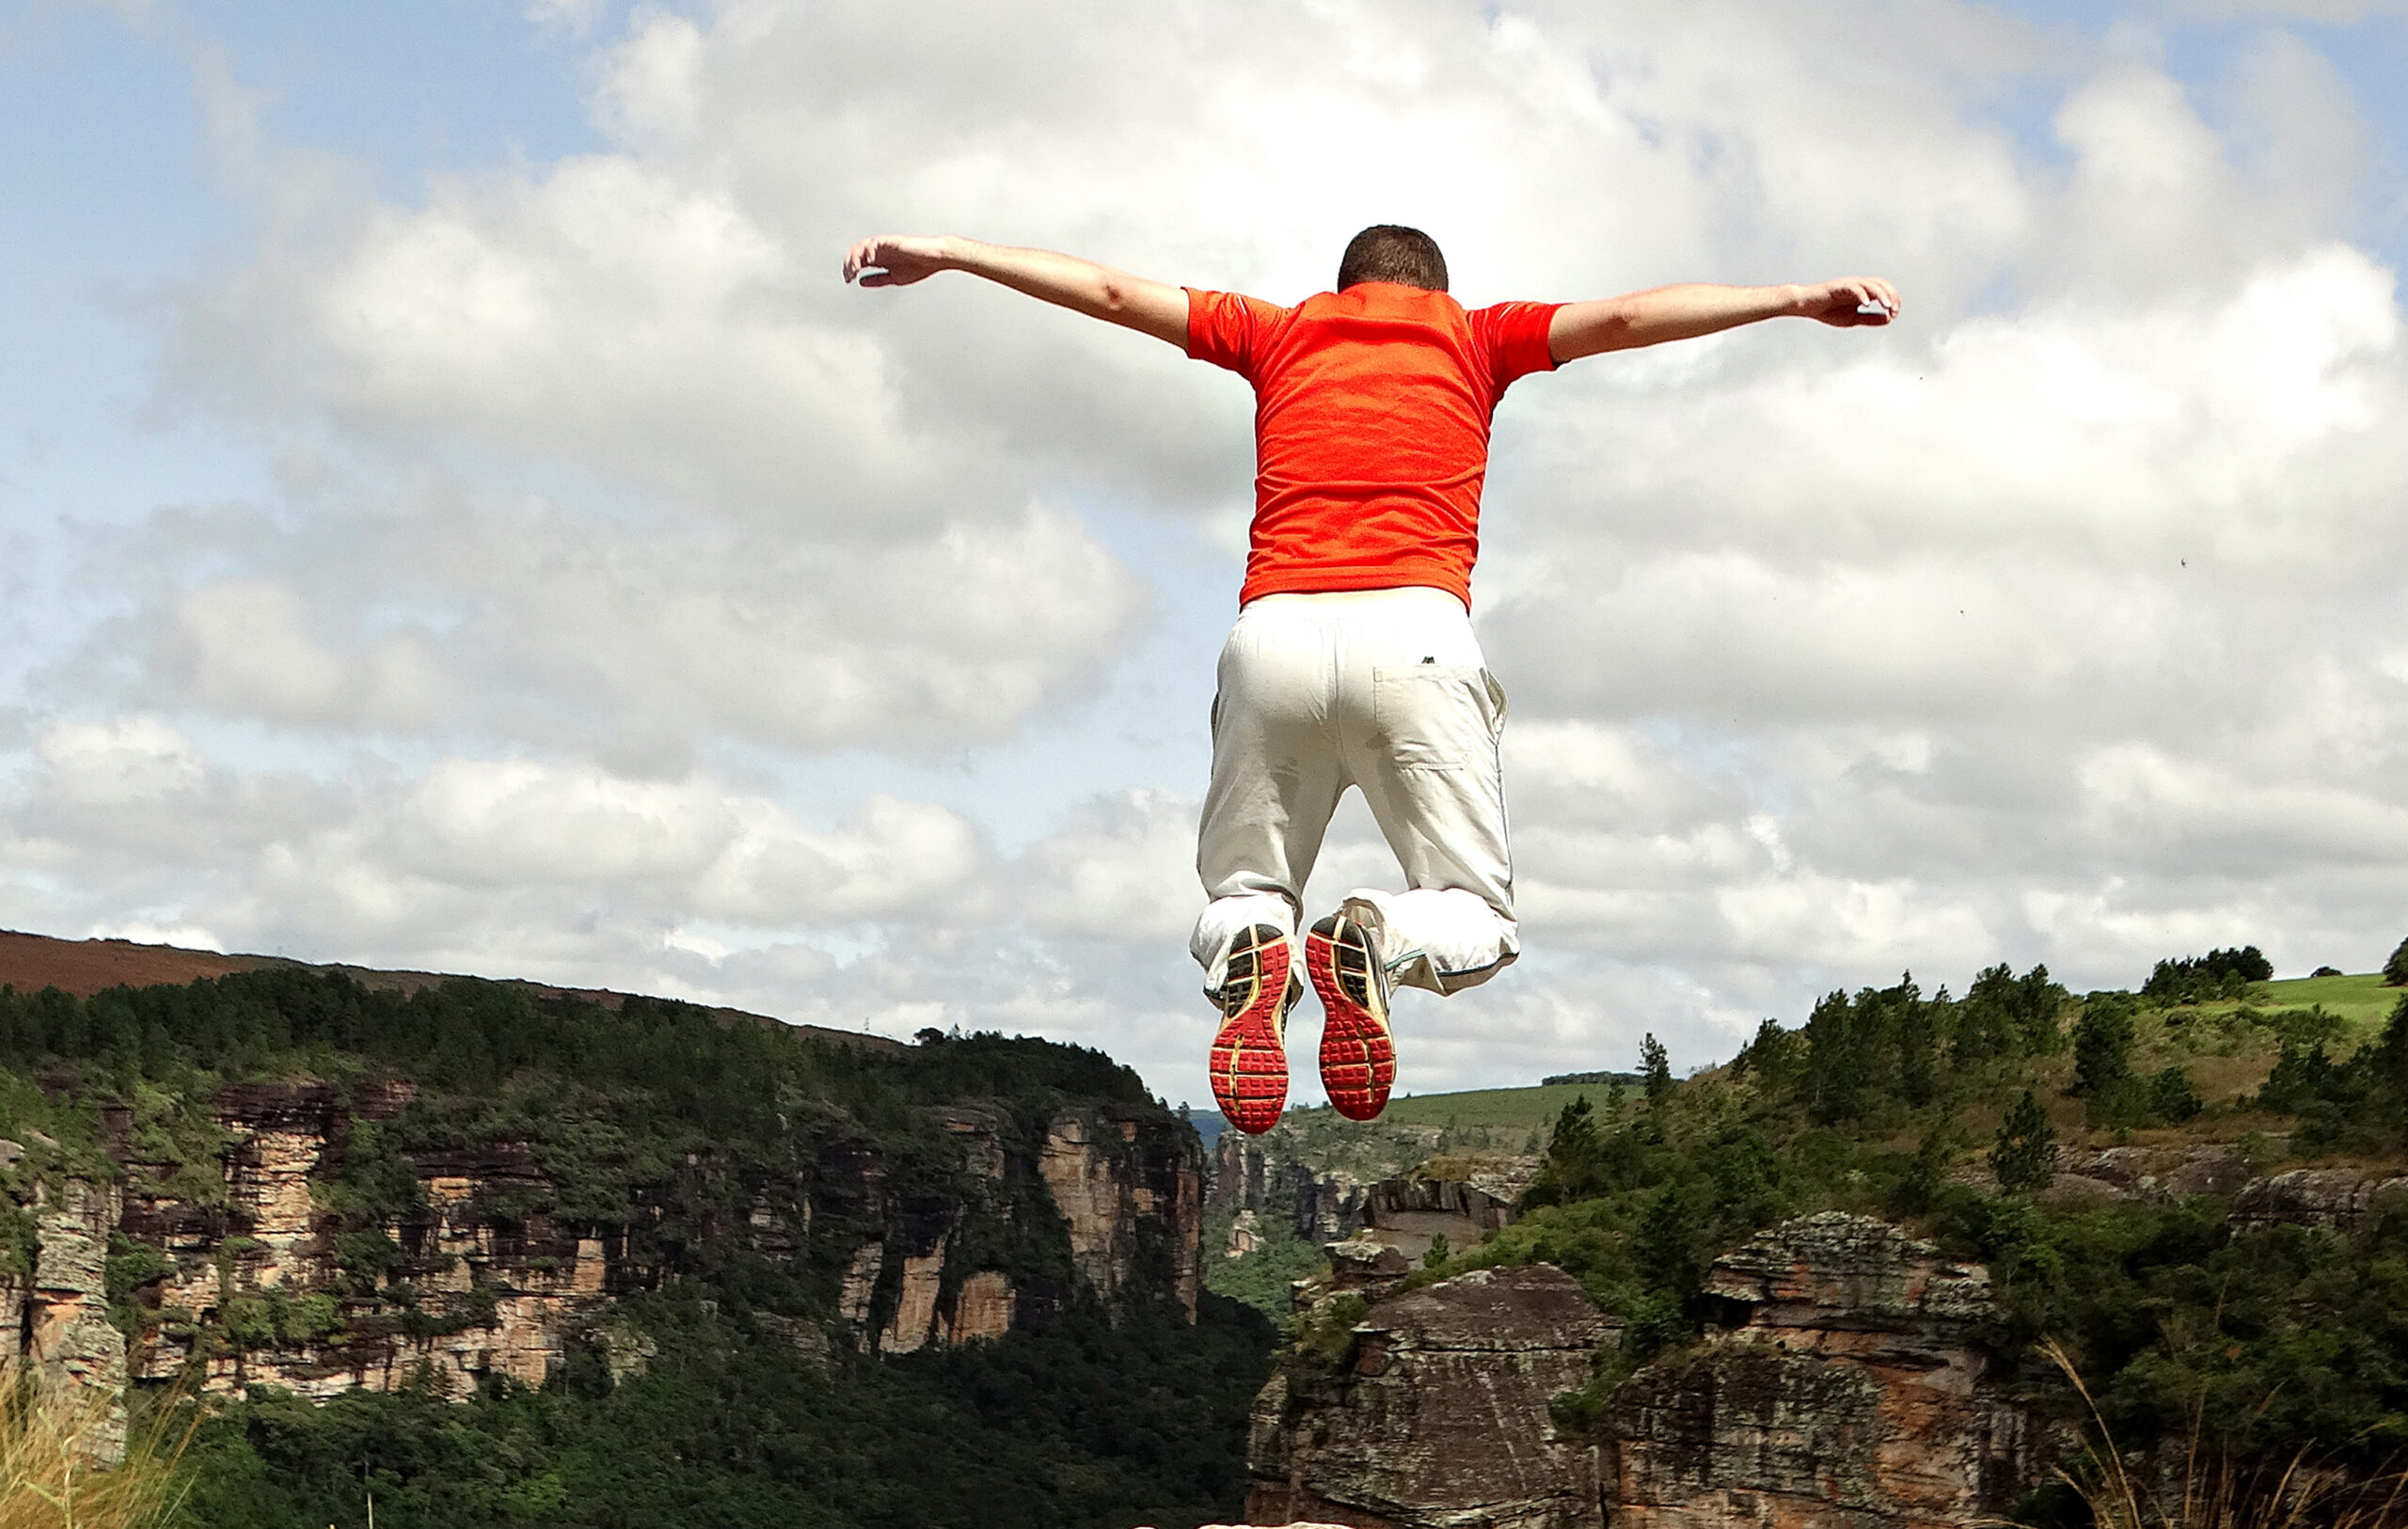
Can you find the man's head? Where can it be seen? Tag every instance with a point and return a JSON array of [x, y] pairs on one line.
[[1385, 252]]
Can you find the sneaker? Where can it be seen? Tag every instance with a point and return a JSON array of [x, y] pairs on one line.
[[1249, 1061], [1358, 1052]]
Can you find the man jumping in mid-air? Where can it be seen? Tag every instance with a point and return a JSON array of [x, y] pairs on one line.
[[1353, 661]]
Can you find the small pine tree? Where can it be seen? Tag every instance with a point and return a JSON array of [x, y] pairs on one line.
[[1438, 1253], [1663, 1246], [2025, 1155], [2395, 972], [1657, 1069], [2171, 1097], [2102, 1044]]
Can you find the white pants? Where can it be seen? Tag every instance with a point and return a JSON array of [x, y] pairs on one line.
[[1384, 690]]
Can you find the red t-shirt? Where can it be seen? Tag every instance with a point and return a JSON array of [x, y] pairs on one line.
[[1370, 428]]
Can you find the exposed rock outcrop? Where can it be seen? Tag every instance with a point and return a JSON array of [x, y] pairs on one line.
[[2334, 1198], [254, 1278], [2147, 1175], [64, 1317], [1323, 1205], [1840, 1387], [1130, 1186], [1412, 1212], [1440, 1415], [1843, 1388]]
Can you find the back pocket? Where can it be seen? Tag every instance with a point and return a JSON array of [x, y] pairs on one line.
[[1434, 717]]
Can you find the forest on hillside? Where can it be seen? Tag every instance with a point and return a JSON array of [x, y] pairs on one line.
[[656, 1121], [2257, 1339], [1950, 1114]]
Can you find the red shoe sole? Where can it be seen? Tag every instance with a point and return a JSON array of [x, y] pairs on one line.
[[1249, 1063], [1357, 1053]]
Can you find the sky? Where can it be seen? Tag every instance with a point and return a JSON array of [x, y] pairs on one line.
[[452, 514]]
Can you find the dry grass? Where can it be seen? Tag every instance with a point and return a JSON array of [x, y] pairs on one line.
[[2213, 1492], [48, 1476]]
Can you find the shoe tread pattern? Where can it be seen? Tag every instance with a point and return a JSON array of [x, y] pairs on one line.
[[1249, 1057], [1358, 1049]]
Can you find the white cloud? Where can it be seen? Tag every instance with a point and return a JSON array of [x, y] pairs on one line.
[[610, 529]]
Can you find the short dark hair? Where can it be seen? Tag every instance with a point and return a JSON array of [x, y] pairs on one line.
[[1387, 252]]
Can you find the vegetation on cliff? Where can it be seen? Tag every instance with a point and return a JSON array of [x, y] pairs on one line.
[[2267, 1332], [663, 1132]]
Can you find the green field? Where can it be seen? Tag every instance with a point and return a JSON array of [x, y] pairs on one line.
[[1486, 1109], [2363, 1001], [1512, 1107]]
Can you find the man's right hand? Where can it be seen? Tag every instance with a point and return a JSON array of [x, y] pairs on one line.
[[1150, 308], [893, 259]]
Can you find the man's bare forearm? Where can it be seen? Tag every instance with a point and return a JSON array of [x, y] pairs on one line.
[[1151, 307], [1690, 310]]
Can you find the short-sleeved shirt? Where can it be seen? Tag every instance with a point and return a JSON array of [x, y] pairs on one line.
[[1370, 428]]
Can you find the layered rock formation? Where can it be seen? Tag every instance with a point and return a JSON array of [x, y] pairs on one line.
[[1248, 1176], [1439, 1413], [61, 1313], [1411, 1213], [1840, 1387], [237, 1272]]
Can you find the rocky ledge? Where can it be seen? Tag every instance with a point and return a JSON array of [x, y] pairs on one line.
[[1440, 1417], [1840, 1386]]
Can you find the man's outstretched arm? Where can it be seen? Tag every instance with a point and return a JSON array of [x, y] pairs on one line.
[[1685, 312], [1081, 286]]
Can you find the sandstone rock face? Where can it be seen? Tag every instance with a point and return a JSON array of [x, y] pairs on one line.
[[254, 1288], [1841, 1389], [1412, 1212], [1121, 1180], [1327, 1206], [984, 1308], [915, 1315], [1440, 1417], [66, 1317]]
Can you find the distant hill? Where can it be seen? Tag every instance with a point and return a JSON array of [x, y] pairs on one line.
[[30, 963]]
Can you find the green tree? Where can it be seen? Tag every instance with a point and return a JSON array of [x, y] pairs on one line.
[[2395, 972], [1665, 1247], [2024, 1158], [2102, 1044], [2171, 1097], [1657, 1069]]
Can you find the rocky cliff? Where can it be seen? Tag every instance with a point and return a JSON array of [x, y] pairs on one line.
[[1264, 1177], [1839, 1387], [1438, 1412], [256, 1267]]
